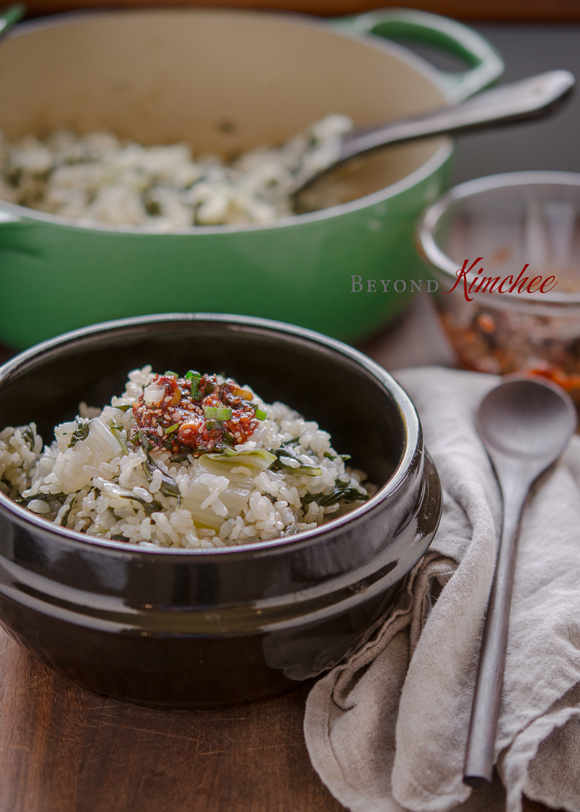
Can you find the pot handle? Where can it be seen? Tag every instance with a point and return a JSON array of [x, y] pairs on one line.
[[441, 32], [7, 218], [9, 16]]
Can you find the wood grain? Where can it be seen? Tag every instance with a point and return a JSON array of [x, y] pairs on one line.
[[63, 749], [505, 10]]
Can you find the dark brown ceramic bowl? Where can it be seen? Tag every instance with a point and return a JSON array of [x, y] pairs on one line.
[[180, 628]]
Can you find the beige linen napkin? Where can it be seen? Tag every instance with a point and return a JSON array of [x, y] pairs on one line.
[[387, 730]]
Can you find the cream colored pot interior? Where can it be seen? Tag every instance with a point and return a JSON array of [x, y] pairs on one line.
[[220, 80]]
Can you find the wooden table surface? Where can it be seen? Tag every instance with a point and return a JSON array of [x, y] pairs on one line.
[[528, 10], [63, 749]]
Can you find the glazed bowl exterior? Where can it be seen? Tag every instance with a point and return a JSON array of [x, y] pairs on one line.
[[180, 629], [223, 81], [519, 225]]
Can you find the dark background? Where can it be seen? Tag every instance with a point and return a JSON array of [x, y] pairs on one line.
[[554, 143]]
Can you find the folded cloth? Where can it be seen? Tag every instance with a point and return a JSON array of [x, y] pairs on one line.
[[387, 729]]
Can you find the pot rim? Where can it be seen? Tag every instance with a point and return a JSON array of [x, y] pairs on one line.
[[454, 197], [435, 162], [413, 433]]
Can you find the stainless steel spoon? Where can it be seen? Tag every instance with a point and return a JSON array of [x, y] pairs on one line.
[[518, 101], [525, 425]]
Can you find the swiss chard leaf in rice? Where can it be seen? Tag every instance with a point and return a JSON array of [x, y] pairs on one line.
[[257, 460], [81, 433], [119, 432], [168, 485], [28, 436], [114, 492], [341, 493], [286, 455], [334, 456], [71, 503], [235, 496], [43, 497]]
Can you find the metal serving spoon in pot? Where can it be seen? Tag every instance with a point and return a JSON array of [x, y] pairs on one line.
[[508, 104], [525, 425]]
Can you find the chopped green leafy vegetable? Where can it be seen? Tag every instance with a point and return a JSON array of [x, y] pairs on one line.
[[340, 494], [44, 497], [287, 459], [115, 491], [259, 458], [81, 433], [28, 437], [168, 485], [117, 431], [64, 519]]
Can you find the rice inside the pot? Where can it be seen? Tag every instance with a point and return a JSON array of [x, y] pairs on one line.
[[98, 178]]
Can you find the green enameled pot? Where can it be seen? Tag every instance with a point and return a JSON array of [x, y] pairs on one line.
[[182, 75]]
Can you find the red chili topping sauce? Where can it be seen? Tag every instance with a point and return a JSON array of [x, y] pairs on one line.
[[196, 414]]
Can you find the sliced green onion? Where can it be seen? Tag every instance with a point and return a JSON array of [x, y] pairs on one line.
[[217, 412], [260, 415], [171, 429], [171, 373], [194, 386], [194, 377]]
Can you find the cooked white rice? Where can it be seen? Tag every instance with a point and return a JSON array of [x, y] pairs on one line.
[[96, 178], [95, 480]]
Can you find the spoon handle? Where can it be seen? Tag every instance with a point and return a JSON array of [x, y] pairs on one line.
[[485, 712], [517, 101]]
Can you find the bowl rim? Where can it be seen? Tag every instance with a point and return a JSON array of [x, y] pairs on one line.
[[471, 189], [407, 410], [414, 178]]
